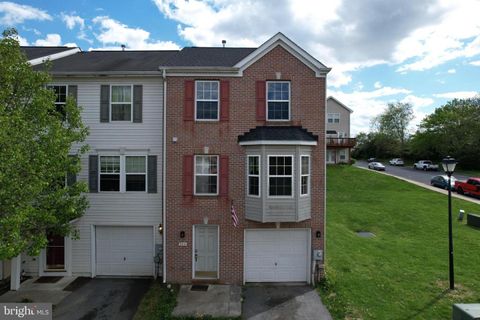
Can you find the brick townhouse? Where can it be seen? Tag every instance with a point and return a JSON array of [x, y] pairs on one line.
[[245, 130]]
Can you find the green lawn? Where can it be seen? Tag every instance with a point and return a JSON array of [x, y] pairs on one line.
[[402, 273]]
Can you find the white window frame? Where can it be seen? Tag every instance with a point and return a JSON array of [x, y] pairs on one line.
[[113, 103], [135, 173], [203, 174], [218, 100], [308, 175], [289, 100], [50, 86], [342, 152], [292, 176], [259, 176], [333, 117], [123, 174]]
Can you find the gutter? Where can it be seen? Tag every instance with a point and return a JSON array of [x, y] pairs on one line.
[[164, 165]]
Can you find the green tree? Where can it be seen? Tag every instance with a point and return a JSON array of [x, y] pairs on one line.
[[394, 122], [453, 129], [35, 142]]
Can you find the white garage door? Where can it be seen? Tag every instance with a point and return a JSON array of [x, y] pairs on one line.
[[124, 251], [276, 255]]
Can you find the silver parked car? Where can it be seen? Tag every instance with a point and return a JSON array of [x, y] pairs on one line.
[[376, 166], [442, 182], [396, 162]]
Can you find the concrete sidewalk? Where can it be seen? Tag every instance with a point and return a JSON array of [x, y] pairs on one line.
[[39, 292], [217, 301]]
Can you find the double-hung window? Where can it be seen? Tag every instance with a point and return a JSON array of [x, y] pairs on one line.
[[135, 173], [278, 100], [333, 118], [253, 176], [123, 173], [110, 173], [206, 175], [60, 98], [280, 176], [305, 176], [121, 103], [206, 100]]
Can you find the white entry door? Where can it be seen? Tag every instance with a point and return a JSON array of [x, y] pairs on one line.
[[124, 251], [276, 255], [331, 155], [205, 255]]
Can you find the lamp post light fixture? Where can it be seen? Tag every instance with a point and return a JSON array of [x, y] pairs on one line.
[[448, 165]]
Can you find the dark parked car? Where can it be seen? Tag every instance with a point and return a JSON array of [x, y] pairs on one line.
[[442, 182]]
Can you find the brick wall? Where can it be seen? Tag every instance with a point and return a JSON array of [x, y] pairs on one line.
[[182, 212]]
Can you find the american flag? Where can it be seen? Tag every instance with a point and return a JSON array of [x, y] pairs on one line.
[[234, 216]]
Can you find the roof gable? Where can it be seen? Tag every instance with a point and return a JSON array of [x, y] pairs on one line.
[[340, 104], [281, 40]]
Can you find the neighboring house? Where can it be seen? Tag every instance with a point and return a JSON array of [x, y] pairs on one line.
[[339, 141], [245, 130], [121, 93]]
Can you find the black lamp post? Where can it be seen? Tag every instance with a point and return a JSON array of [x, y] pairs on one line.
[[448, 165]]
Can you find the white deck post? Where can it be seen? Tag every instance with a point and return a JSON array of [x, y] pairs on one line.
[[15, 273]]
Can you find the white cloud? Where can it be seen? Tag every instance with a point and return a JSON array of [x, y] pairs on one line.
[[456, 35], [113, 34], [366, 105], [456, 95], [417, 101], [377, 85], [475, 63], [451, 71], [22, 41], [72, 20], [52, 39], [14, 13]]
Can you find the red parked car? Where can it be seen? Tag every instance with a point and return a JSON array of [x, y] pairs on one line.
[[471, 187]]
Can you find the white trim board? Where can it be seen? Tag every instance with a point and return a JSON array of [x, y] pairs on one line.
[[54, 56]]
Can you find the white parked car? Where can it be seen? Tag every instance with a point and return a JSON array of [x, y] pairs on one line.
[[396, 162], [425, 165], [376, 166]]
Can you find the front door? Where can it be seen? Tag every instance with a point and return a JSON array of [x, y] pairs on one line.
[[206, 252], [55, 253]]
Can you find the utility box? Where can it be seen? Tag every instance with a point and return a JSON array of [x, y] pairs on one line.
[[463, 311], [318, 255]]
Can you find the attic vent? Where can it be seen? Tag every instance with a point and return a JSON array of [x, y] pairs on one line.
[[224, 42]]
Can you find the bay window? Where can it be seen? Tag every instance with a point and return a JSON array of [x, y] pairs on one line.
[[280, 176], [253, 176]]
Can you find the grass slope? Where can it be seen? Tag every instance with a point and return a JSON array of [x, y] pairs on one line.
[[402, 273]]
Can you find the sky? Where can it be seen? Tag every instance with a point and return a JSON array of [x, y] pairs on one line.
[[424, 52]]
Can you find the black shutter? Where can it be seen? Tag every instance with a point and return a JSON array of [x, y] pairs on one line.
[[137, 103], [105, 103], [93, 173], [73, 92], [152, 174], [71, 177]]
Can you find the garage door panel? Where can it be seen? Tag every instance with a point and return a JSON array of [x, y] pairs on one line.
[[276, 255], [124, 251]]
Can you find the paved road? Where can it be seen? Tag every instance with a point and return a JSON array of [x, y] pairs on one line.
[[410, 173]]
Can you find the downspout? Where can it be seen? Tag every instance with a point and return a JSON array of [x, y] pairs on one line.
[[164, 166]]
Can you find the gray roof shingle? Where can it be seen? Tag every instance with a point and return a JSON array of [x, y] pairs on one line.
[[37, 52], [278, 133], [110, 61], [208, 57]]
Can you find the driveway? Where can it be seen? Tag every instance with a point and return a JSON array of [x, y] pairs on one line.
[[102, 298], [266, 302]]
